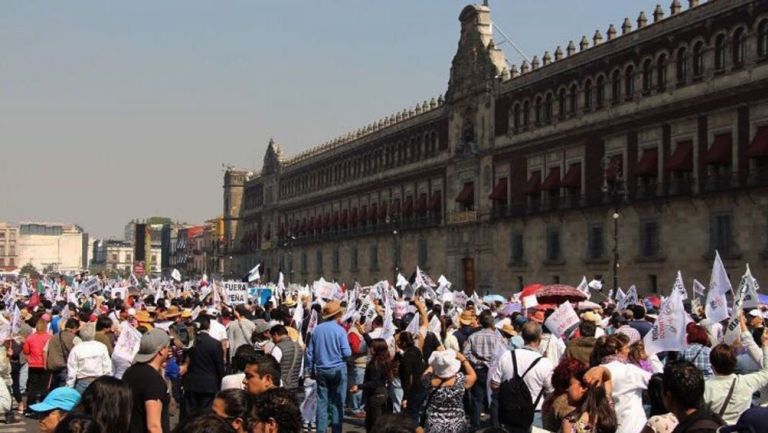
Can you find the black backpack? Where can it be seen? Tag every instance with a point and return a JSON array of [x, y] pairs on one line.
[[516, 405]]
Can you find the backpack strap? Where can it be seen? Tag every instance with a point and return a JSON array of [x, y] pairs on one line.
[[727, 399]]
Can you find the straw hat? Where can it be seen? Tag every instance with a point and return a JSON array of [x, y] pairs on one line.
[[186, 313], [467, 317], [172, 312], [591, 316], [444, 363], [331, 309], [143, 317], [289, 302]]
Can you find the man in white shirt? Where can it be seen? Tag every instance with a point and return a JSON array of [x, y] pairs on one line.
[[88, 360], [538, 379], [239, 331], [217, 330]]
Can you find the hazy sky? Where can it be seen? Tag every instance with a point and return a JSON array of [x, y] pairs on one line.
[[112, 110]]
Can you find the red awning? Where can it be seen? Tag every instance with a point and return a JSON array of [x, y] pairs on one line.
[[720, 150], [534, 183], [467, 194], [364, 214], [408, 206], [421, 205], [682, 158], [434, 204], [572, 177], [552, 182], [649, 164], [383, 211], [499, 192], [759, 146]]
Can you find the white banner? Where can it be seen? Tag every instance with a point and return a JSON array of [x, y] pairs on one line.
[[668, 332], [235, 292], [716, 307], [460, 299], [324, 289], [90, 287], [747, 290], [127, 345], [530, 301], [562, 319]]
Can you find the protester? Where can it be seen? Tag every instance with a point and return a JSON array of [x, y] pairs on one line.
[[394, 423], [150, 392], [291, 355], [446, 383], [235, 380], [481, 350], [357, 369], [234, 405], [55, 407], [57, 352], [377, 376], [660, 419], [34, 349], [581, 348], [730, 394], [556, 406], [239, 331], [204, 423], [594, 413], [88, 360], [683, 386], [411, 367], [204, 371], [104, 332], [276, 411], [262, 373], [327, 353], [109, 402]]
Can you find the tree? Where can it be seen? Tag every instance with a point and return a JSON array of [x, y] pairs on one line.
[[30, 270]]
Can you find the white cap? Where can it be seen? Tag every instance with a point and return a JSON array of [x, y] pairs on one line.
[[131, 311]]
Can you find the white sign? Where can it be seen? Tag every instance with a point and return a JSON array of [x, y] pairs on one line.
[[235, 292], [324, 289], [562, 319], [460, 299], [530, 301], [89, 287], [127, 345]]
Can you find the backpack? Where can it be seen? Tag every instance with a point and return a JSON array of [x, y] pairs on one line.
[[516, 406]]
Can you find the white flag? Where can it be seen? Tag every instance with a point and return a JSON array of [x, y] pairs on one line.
[[443, 285], [280, 285], [698, 289], [679, 286], [435, 326], [413, 327], [298, 314], [716, 308], [176, 275], [423, 280], [401, 282], [733, 330], [253, 274], [668, 332], [750, 293], [312, 322], [630, 298], [584, 287]]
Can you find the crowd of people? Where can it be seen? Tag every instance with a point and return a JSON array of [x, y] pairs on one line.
[[399, 359]]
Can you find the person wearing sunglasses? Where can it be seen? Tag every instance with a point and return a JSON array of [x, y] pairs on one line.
[[234, 405], [56, 405]]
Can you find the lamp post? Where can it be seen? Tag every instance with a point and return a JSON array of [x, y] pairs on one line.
[[614, 191], [289, 245], [396, 246]]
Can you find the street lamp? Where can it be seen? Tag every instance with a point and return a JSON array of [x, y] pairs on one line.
[[396, 246], [614, 190]]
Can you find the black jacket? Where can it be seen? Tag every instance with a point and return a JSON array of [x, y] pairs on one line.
[[701, 421], [206, 365]]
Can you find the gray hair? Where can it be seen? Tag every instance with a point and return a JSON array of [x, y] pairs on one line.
[[88, 332], [531, 332]]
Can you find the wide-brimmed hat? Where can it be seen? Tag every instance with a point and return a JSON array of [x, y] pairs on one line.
[[590, 316], [289, 302], [537, 317], [151, 343], [331, 309], [143, 317], [173, 312], [467, 317], [186, 313], [444, 363]]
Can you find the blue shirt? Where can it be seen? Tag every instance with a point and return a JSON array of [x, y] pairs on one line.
[[329, 347]]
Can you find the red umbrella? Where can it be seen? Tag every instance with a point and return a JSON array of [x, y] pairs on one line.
[[530, 289], [559, 293]]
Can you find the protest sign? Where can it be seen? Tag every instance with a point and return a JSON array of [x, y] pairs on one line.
[[90, 287], [127, 345], [530, 301], [323, 289], [235, 292], [562, 319], [460, 299]]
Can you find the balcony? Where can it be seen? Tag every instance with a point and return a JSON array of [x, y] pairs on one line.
[[372, 228], [462, 217]]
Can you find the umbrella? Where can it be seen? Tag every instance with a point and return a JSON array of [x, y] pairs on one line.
[[530, 289], [559, 293], [489, 299], [587, 305]]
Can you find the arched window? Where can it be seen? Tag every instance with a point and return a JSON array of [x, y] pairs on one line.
[[572, 96], [647, 76], [600, 91], [739, 41], [516, 117], [720, 52], [538, 116], [681, 66], [762, 38], [561, 103], [661, 72], [588, 95], [629, 82], [548, 109], [698, 59], [526, 113], [616, 87]]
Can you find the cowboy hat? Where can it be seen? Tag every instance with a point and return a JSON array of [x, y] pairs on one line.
[[172, 312], [331, 309], [289, 302], [467, 317]]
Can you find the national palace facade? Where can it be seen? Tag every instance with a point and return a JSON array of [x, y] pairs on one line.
[[652, 136]]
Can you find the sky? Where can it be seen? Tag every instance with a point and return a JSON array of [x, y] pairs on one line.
[[114, 110]]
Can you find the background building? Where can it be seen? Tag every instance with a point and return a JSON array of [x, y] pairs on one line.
[[623, 157], [52, 246], [8, 254]]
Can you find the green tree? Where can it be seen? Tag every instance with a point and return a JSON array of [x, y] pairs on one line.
[[30, 270]]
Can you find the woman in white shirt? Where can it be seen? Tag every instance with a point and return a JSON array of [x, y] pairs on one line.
[[628, 382]]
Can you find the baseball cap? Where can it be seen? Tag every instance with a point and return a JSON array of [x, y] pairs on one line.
[[62, 398], [262, 326], [151, 343]]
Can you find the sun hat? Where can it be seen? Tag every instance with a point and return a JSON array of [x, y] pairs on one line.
[[537, 317], [467, 317], [631, 333], [444, 363], [590, 316], [186, 313], [331, 309], [289, 302], [62, 398], [262, 326], [151, 343], [753, 420], [172, 312]]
